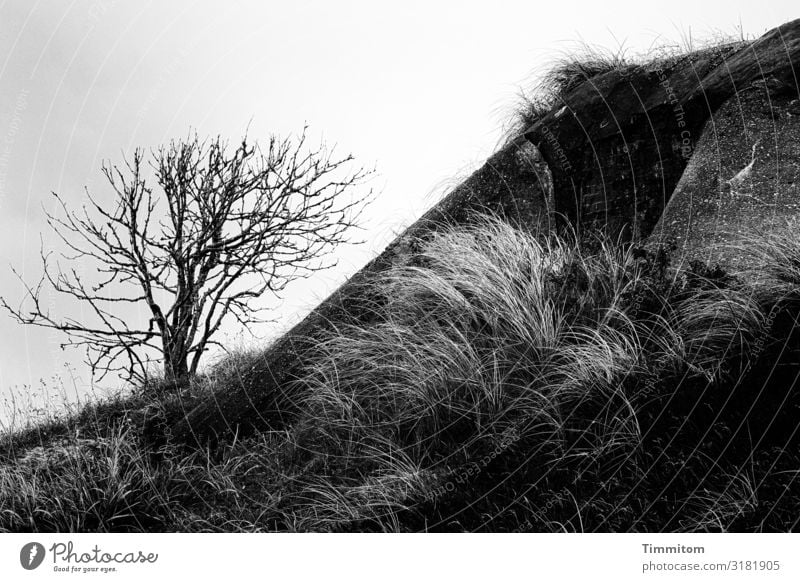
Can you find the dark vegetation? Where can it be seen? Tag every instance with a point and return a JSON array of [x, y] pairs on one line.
[[506, 384]]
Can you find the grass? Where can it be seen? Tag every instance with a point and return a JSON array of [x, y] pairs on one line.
[[504, 383], [585, 62]]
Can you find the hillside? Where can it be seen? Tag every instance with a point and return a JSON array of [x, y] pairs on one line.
[[594, 332]]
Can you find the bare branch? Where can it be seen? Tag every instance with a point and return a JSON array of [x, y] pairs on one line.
[[223, 227]]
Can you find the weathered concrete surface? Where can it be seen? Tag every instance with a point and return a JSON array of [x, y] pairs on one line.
[[515, 183], [619, 143], [743, 177]]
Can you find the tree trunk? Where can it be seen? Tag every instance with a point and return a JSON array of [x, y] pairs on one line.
[[176, 365], [177, 370]]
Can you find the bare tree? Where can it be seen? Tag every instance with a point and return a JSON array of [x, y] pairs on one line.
[[222, 229]]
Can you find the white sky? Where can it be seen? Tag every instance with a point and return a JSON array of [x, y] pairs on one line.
[[420, 89]]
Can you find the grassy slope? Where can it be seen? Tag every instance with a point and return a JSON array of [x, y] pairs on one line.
[[507, 384]]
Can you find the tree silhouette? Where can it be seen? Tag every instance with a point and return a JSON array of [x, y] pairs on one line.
[[222, 228]]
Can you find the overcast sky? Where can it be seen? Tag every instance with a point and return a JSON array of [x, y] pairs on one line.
[[420, 89]]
